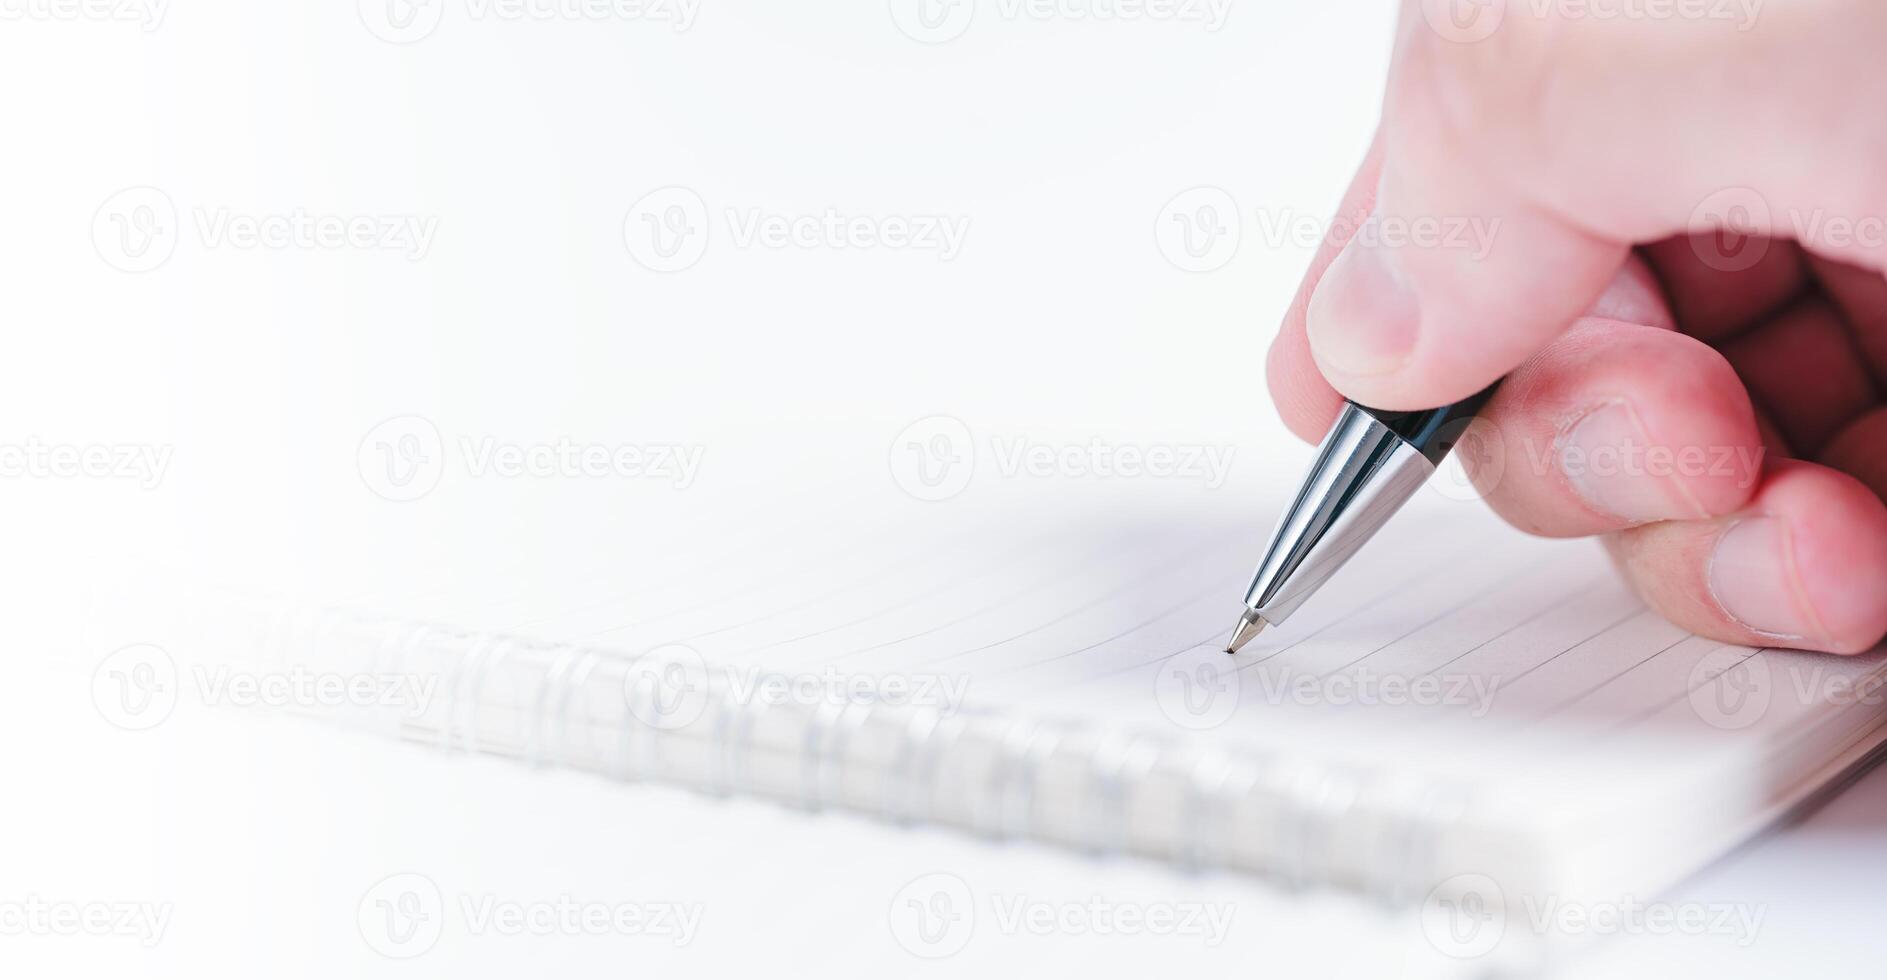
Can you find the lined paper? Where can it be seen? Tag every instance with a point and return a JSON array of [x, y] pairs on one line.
[[1071, 688]]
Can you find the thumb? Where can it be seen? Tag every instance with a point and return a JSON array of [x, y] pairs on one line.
[[1526, 151], [1406, 322]]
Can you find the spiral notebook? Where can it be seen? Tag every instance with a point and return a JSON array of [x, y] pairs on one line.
[[1462, 708]]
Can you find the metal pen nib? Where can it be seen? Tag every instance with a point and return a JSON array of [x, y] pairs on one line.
[[1249, 625]]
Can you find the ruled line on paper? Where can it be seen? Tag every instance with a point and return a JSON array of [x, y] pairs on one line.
[[780, 576], [969, 578], [1072, 613], [1040, 582], [1547, 665]]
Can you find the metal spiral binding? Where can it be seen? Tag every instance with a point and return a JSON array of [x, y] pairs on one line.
[[733, 743], [813, 756], [1307, 807], [576, 681], [1016, 799], [556, 684], [897, 800], [1106, 819], [921, 782]]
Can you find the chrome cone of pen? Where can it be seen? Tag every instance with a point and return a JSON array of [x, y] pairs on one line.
[[1249, 625]]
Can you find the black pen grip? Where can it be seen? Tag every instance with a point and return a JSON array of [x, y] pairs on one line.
[[1433, 432]]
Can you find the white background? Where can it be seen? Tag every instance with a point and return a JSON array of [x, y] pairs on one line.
[[1059, 140]]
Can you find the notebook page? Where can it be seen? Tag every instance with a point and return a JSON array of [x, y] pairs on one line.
[[1058, 676]]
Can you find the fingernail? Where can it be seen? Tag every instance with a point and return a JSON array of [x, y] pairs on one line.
[[1752, 577], [1363, 319], [1606, 457]]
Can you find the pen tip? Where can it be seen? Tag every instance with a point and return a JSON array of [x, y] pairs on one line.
[[1249, 625]]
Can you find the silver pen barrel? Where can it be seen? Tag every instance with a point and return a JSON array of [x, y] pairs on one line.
[[1369, 465], [1365, 471]]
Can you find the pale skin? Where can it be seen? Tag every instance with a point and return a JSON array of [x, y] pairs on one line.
[[1686, 291]]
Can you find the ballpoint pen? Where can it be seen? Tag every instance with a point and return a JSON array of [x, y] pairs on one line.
[[1369, 465]]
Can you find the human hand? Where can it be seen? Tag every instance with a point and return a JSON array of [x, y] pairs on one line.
[[1684, 287]]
